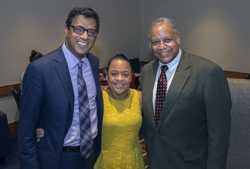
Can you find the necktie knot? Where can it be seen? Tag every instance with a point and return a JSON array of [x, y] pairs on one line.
[[80, 64], [164, 68]]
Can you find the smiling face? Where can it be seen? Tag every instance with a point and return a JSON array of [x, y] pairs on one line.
[[79, 43], [119, 78], [165, 42]]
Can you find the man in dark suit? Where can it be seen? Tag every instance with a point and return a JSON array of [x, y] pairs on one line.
[[61, 95], [186, 105]]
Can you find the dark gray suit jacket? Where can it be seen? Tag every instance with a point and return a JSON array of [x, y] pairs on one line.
[[194, 128], [47, 101]]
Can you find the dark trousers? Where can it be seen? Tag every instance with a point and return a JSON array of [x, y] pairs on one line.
[[73, 160]]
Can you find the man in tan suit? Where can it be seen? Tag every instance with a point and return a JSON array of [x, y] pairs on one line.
[[186, 106]]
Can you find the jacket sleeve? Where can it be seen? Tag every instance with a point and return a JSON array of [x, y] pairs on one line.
[[31, 101], [218, 109]]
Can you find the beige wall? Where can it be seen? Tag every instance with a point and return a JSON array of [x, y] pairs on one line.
[[217, 30], [34, 24]]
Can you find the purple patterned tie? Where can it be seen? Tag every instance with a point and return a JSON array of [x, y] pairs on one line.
[[86, 141], [160, 94]]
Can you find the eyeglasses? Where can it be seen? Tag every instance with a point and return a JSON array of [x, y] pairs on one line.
[[79, 30], [158, 42]]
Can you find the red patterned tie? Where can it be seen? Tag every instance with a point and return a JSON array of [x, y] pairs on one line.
[[160, 94]]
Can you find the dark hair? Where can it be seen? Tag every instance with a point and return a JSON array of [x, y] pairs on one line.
[[34, 55], [170, 23], [86, 12], [120, 56]]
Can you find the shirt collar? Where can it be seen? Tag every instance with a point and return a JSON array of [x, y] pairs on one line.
[[72, 60], [174, 62]]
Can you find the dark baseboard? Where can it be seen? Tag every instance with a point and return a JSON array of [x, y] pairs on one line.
[[237, 75], [6, 90]]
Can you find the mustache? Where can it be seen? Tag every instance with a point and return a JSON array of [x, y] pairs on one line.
[[165, 50]]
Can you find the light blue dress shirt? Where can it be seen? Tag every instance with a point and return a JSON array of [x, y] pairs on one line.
[[172, 66], [73, 135]]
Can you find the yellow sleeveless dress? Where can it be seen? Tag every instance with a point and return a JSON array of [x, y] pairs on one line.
[[121, 124]]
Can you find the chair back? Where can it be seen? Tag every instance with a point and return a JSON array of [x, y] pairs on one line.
[[239, 150]]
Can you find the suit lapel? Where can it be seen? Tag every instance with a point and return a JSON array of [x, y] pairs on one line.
[[150, 76], [180, 78], [62, 70]]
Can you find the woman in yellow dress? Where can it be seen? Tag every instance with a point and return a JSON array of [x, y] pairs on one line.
[[121, 120]]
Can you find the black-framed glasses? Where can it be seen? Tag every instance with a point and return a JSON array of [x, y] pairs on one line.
[[79, 30]]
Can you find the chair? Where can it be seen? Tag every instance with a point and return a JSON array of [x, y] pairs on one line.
[[239, 150]]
